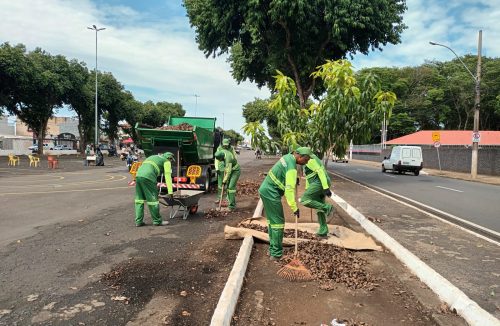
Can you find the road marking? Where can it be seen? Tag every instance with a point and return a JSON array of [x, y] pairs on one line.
[[427, 213], [60, 191], [449, 188], [390, 176]]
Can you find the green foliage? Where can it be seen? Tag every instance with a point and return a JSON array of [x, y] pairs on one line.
[[293, 36], [440, 95], [350, 109], [258, 110], [234, 136], [156, 115]]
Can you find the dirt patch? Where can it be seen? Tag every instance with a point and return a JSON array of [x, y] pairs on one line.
[[183, 126]]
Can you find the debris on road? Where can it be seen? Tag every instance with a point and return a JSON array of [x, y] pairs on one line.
[[186, 313], [32, 297], [288, 233], [330, 265], [5, 312], [121, 298], [183, 294], [215, 213], [248, 188]]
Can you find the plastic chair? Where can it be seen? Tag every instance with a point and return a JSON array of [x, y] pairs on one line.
[[13, 160], [52, 162], [34, 160]]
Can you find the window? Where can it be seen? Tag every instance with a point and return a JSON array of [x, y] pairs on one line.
[[415, 153], [406, 152]]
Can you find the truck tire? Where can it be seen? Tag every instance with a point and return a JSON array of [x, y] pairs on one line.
[[416, 172], [383, 169]]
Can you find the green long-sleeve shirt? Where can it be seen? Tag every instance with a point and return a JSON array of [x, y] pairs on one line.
[[219, 165], [153, 167], [281, 180], [316, 172], [230, 163]]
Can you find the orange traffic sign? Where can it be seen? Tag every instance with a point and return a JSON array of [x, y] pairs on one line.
[[436, 136]]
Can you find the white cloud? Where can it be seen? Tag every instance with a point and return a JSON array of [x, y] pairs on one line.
[[158, 61]]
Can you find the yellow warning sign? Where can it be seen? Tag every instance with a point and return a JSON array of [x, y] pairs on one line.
[[436, 136]]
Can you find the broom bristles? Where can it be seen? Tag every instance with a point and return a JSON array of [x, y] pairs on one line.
[[295, 271]]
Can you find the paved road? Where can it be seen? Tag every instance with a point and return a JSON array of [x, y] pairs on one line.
[[471, 201]]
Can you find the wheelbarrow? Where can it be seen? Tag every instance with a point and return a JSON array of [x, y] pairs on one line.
[[186, 202]]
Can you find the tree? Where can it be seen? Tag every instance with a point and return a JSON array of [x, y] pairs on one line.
[[234, 136], [258, 110], [293, 36], [79, 96], [110, 102], [349, 110]]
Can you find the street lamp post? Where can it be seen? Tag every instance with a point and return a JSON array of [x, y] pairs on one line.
[[477, 100], [96, 139], [196, 105]]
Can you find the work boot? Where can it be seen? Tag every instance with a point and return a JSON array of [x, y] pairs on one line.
[[140, 224], [273, 258], [162, 223]]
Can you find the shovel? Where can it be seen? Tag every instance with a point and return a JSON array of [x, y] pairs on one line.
[[221, 197]]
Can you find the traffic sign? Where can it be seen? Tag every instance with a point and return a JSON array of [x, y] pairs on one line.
[[476, 137], [437, 144], [436, 136]]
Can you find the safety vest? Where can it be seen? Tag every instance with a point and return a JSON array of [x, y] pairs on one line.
[[315, 172]]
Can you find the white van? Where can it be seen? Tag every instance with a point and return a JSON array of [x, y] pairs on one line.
[[404, 158]]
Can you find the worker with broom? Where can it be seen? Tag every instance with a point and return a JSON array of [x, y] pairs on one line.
[[146, 190], [281, 180], [317, 187], [230, 175], [219, 166]]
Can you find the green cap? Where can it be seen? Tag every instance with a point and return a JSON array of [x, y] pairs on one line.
[[220, 155], [304, 151], [168, 156], [225, 142], [292, 148]]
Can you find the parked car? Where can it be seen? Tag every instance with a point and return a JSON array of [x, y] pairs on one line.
[[404, 158], [342, 159], [34, 148], [61, 148]]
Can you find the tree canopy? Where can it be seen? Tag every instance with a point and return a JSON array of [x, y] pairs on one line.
[[293, 36]]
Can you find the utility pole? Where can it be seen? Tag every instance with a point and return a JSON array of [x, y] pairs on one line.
[[477, 101], [96, 140], [477, 104]]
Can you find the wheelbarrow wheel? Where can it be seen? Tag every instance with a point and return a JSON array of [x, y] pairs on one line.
[[193, 209]]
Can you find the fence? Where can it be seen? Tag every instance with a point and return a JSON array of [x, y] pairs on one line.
[[453, 157]]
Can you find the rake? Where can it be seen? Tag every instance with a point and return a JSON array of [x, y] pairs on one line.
[[295, 270]]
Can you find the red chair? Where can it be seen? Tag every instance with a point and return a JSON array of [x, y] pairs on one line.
[[52, 161]]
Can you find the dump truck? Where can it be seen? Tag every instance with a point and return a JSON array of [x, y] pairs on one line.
[[193, 141]]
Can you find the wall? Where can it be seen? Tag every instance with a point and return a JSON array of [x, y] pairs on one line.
[[5, 128], [453, 158]]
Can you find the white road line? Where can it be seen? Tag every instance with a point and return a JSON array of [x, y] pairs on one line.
[[390, 176], [427, 213], [449, 188]]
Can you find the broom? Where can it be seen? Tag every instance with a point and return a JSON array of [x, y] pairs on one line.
[[295, 270]]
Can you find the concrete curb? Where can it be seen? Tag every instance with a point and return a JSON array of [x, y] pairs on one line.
[[229, 298], [446, 291]]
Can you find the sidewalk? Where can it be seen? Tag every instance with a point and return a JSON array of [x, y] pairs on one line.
[[490, 179]]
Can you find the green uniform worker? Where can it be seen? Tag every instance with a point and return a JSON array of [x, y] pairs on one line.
[[219, 165], [146, 190], [230, 176], [281, 180], [317, 187]]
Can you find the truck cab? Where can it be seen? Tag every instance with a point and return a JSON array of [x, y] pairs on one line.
[[403, 159]]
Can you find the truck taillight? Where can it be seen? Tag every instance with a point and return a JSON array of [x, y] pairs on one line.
[[195, 138], [181, 179]]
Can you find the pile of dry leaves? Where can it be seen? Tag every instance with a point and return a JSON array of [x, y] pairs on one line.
[[330, 265], [248, 188], [289, 233]]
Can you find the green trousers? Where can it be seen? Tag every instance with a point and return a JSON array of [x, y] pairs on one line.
[[220, 178], [275, 224], [314, 197], [146, 192], [231, 188]]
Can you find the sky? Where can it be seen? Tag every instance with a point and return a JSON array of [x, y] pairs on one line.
[[150, 47]]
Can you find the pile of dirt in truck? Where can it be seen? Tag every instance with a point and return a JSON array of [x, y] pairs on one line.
[[182, 126]]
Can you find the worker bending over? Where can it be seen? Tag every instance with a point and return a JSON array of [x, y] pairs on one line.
[[317, 187], [281, 180], [146, 190], [219, 166], [231, 174]]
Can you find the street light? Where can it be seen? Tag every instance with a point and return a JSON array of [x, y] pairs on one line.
[[196, 105], [477, 101], [96, 140]]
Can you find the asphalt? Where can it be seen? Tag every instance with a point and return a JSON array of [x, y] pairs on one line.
[[469, 262]]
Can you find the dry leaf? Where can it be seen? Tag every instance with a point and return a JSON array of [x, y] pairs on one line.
[[186, 313]]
